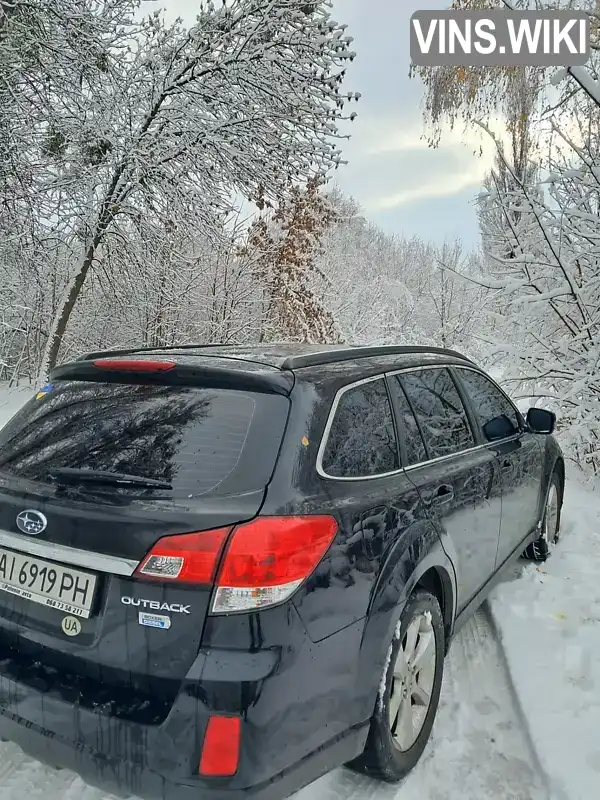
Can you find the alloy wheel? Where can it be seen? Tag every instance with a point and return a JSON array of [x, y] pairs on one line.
[[551, 516], [412, 682]]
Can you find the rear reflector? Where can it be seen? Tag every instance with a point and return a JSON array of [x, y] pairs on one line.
[[263, 563], [221, 748], [187, 558], [124, 365]]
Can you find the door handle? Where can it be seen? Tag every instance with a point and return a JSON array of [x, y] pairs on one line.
[[507, 466], [442, 495]]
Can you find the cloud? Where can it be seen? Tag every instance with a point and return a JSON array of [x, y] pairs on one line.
[[394, 165], [398, 136], [435, 186]]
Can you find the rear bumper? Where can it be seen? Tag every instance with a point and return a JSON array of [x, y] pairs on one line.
[[298, 705], [125, 778]]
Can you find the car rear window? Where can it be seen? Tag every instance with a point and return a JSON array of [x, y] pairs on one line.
[[362, 440], [198, 440]]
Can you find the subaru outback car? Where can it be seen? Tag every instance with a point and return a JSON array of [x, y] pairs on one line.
[[225, 571]]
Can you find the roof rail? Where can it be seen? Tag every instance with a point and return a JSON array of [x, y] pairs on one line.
[[326, 356], [156, 349], [358, 351]]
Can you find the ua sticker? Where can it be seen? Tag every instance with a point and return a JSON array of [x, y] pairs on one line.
[[44, 391], [71, 626]]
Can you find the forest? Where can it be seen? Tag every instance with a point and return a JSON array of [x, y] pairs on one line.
[[164, 183]]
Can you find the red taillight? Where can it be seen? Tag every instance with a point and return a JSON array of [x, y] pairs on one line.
[[125, 365], [188, 557], [270, 551], [267, 560], [221, 747], [264, 562]]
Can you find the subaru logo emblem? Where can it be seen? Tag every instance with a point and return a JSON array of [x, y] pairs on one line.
[[31, 522]]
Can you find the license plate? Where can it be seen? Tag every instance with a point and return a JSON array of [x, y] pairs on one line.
[[46, 583]]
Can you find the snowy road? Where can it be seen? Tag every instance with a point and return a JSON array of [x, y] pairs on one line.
[[478, 750]]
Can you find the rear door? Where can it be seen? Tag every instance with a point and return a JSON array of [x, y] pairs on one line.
[[457, 479], [519, 455], [359, 467], [69, 549]]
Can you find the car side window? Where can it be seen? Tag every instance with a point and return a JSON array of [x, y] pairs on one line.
[[362, 441], [494, 412], [408, 426], [439, 410]]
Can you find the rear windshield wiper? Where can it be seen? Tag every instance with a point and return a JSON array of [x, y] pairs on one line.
[[110, 478]]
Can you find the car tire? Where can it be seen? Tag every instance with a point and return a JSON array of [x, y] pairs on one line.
[[408, 698], [540, 549]]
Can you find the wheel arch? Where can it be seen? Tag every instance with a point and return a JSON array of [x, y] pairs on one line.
[[554, 463], [417, 560], [437, 582], [559, 468]]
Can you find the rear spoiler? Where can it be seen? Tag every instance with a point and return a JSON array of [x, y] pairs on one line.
[[162, 372]]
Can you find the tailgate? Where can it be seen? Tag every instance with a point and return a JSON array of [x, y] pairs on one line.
[[69, 603]]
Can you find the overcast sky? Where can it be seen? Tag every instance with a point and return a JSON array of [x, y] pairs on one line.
[[403, 185]]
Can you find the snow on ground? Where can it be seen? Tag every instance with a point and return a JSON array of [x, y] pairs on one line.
[[11, 401], [478, 750], [549, 624]]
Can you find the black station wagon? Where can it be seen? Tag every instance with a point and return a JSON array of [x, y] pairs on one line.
[[226, 570]]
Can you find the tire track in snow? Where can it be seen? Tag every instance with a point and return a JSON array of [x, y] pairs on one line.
[[479, 750], [553, 793]]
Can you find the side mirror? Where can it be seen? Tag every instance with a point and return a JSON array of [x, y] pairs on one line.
[[541, 421], [499, 428]]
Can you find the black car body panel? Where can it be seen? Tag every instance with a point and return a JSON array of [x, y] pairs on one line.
[[127, 705]]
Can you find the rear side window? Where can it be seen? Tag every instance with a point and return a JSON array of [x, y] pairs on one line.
[[198, 440], [439, 410], [361, 441], [495, 413], [409, 428]]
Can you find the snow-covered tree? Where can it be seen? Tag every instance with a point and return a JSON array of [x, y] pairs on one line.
[[548, 288], [539, 215], [476, 93], [385, 288], [284, 245], [456, 300], [125, 122]]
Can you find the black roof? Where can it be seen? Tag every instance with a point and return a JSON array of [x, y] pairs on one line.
[[285, 356]]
